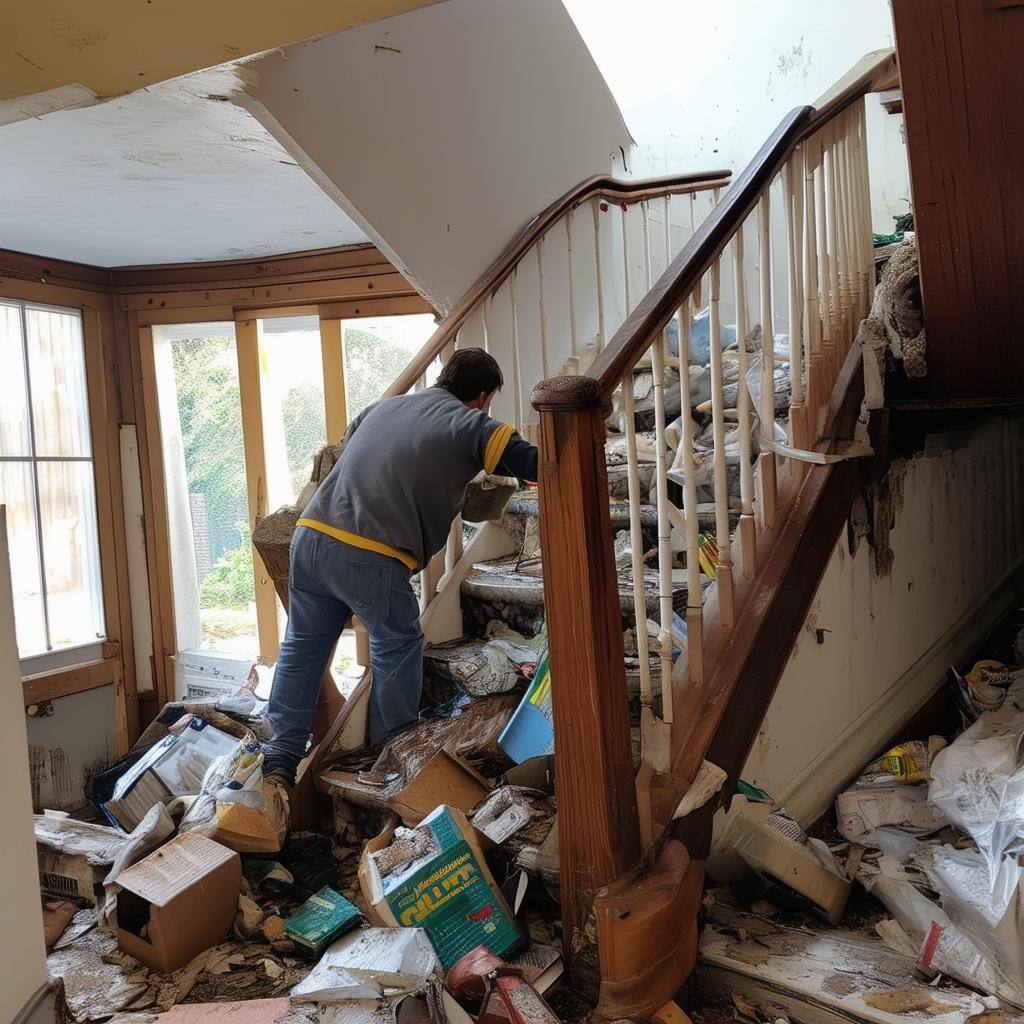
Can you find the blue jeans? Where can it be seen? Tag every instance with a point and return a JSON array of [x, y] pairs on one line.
[[329, 583]]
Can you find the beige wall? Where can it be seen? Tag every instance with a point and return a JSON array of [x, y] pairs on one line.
[[444, 131], [21, 937], [958, 534]]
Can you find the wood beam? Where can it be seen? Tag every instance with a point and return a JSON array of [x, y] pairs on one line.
[[154, 495], [65, 681], [959, 79], [599, 836], [332, 351], [250, 392]]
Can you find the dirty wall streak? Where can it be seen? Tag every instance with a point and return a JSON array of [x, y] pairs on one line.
[[68, 746], [923, 573]]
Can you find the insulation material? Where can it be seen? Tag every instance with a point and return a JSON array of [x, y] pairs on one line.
[[372, 963], [517, 814], [486, 498], [472, 734]]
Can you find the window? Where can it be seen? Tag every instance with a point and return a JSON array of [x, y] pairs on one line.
[[204, 477], [47, 483]]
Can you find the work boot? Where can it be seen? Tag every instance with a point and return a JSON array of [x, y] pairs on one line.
[[278, 788]]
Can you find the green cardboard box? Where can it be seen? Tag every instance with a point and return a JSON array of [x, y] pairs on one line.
[[451, 894]]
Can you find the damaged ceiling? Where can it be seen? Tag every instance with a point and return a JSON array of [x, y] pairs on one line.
[[170, 174], [63, 53]]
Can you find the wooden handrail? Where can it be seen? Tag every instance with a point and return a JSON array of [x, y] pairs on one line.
[[613, 189], [659, 305]]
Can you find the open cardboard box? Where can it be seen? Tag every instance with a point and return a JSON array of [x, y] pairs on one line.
[[452, 895], [178, 901], [445, 778]]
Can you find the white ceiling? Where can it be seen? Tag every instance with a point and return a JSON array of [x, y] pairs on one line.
[[164, 175]]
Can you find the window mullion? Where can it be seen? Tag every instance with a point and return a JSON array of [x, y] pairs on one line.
[[35, 479]]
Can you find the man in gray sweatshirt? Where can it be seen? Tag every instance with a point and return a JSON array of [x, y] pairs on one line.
[[382, 513]]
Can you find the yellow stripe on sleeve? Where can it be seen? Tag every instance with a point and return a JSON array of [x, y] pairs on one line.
[[496, 445]]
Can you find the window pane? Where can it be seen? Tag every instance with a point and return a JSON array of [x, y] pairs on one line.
[[17, 494], [56, 358], [14, 436], [67, 499], [292, 390], [377, 349], [204, 471]]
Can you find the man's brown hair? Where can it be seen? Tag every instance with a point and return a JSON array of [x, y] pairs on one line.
[[469, 373]]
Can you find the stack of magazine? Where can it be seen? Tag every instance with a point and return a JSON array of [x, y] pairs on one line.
[[172, 767]]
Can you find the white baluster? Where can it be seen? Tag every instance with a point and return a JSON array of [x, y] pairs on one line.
[[599, 281], [690, 526], [625, 259], [573, 341], [721, 489], [543, 308], [636, 540], [517, 385], [812, 315], [766, 464], [835, 300], [748, 538], [827, 346], [666, 613], [794, 192]]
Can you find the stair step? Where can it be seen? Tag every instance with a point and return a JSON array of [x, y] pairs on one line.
[[498, 590]]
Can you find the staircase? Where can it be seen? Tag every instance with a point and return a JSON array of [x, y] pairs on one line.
[[650, 448]]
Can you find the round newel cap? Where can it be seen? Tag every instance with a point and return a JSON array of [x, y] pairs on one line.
[[559, 394]]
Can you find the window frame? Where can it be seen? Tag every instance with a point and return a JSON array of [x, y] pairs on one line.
[[60, 660], [332, 318]]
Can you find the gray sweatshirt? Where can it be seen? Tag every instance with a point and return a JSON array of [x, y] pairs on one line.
[[402, 478]]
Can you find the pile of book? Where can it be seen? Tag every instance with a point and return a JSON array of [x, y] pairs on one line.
[[174, 766]]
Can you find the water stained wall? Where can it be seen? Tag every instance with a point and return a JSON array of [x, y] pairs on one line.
[[68, 745], [921, 575]]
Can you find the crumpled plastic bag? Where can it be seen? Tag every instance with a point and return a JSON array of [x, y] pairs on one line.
[[236, 807], [978, 781], [990, 912]]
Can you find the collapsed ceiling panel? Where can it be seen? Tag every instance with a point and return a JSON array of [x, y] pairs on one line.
[[170, 174]]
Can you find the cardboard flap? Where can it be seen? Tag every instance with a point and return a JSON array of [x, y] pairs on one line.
[[183, 861]]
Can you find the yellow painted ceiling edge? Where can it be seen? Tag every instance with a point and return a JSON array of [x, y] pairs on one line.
[[116, 46]]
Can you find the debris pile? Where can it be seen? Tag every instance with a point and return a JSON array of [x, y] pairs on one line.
[[432, 865], [933, 829]]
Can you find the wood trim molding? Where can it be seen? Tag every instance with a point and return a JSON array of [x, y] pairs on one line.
[[20, 266], [295, 266], [75, 679], [250, 389]]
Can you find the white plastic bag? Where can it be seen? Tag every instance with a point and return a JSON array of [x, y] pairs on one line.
[[978, 781]]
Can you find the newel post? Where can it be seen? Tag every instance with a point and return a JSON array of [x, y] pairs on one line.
[[598, 828]]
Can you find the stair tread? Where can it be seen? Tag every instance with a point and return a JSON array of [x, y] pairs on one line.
[[505, 579]]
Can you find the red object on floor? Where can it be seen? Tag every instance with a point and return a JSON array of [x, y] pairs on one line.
[[482, 979]]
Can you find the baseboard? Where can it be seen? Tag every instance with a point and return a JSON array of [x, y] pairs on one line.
[[45, 1005], [811, 793]]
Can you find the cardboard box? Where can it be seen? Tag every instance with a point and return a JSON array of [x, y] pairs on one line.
[[444, 779], [750, 843], [451, 893], [178, 901]]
